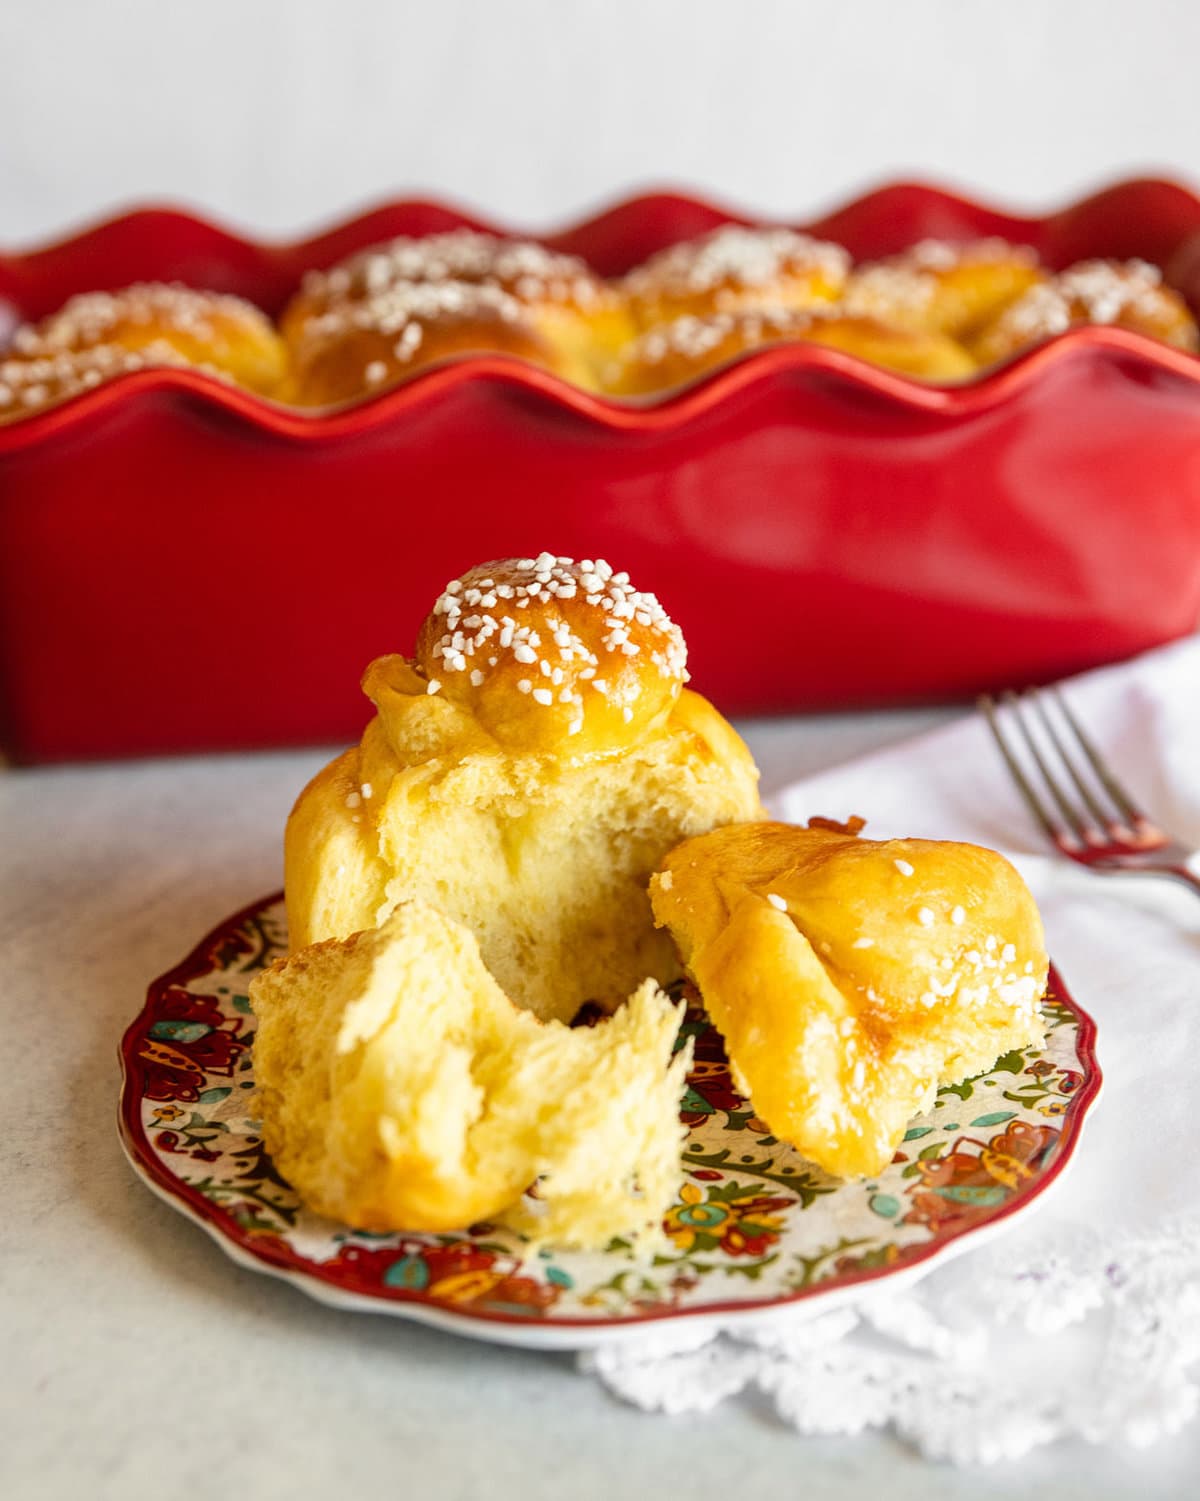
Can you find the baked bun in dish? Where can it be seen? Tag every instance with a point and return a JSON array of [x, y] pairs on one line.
[[676, 353], [851, 977], [945, 288], [573, 318], [363, 348], [1124, 294], [525, 772], [732, 268], [164, 323]]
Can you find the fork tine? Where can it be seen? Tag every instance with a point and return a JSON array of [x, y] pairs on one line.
[[1024, 785], [1110, 784], [1069, 813], [1102, 815]]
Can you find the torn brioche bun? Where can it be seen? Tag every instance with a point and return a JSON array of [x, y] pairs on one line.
[[851, 977], [525, 773], [400, 1089]]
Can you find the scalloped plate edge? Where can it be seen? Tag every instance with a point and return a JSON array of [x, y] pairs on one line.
[[565, 1333]]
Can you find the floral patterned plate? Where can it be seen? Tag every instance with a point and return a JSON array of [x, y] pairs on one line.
[[755, 1226]]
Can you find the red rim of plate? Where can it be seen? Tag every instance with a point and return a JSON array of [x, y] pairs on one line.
[[278, 1257]]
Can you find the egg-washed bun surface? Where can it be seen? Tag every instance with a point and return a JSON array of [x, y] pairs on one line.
[[850, 977], [207, 329], [1125, 294], [944, 288], [400, 1089], [358, 349], [574, 316], [675, 353], [534, 274], [734, 268], [546, 653], [524, 773]]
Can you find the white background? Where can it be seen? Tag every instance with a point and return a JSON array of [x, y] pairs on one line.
[[281, 115]]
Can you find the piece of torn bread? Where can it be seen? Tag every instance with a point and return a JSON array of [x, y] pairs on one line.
[[400, 1089], [850, 977]]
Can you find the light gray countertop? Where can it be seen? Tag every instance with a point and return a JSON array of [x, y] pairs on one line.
[[139, 1361]]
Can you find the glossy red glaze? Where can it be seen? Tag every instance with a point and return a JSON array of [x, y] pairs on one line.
[[826, 533]]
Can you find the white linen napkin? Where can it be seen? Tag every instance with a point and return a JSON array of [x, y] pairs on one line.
[[1106, 1273]]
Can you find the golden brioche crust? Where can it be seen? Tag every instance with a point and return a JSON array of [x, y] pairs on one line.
[[939, 312], [735, 267], [945, 288], [357, 349], [546, 652], [530, 796], [561, 315], [849, 977], [531, 273], [677, 352], [210, 330], [400, 1089], [1125, 294]]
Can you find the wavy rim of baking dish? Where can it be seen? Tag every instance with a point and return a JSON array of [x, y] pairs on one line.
[[676, 409], [314, 249]]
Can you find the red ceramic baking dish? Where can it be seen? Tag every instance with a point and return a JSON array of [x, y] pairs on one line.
[[184, 566]]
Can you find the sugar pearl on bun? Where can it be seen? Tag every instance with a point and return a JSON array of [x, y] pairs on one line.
[[735, 267], [1125, 294], [29, 385], [210, 330], [678, 352], [557, 312], [943, 287], [530, 272]]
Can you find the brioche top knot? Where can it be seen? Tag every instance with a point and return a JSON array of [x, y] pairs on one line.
[[549, 653]]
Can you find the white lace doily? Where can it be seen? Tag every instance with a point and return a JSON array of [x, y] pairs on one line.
[[1047, 1333], [985, 1360]]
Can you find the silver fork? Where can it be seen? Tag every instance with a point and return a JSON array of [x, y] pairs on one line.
[[1098, 824]]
